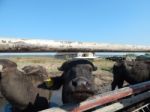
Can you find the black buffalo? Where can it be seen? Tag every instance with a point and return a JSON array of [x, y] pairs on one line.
[[77, 80], [20, 88], [130, 71]]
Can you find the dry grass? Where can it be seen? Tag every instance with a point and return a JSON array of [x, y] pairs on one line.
[[103, 75], [103, 64], [51, 64]]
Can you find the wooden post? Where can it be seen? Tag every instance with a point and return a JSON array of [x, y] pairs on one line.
[[24, 45]]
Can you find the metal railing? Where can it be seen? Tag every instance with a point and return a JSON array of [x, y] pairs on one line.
[[145, 108], [122, 98], [25, 45]]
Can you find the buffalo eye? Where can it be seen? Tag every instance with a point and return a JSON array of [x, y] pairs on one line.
[[74, 83]]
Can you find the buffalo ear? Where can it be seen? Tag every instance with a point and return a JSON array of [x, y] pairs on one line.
[[94, 68], [7, 63], [60, 69], [69, 63], [65, 66], [57, 82]]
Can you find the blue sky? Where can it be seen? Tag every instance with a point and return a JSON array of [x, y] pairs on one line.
[[108, 21]]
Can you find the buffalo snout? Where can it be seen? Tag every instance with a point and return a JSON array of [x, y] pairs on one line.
[[81, 82]]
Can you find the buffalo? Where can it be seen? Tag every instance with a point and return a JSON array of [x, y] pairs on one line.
[[76, 80], [130, 71], [21, 88], [27, 91]]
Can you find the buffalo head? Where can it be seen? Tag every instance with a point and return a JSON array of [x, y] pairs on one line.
[[21, 88], [77, 80]]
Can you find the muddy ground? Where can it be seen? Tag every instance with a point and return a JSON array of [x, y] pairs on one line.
[[103, 81]]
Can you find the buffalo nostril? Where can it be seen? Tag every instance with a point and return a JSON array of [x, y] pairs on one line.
[[82, 83], [74, 83]]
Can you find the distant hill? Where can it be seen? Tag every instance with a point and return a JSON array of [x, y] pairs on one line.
[[7, 55]]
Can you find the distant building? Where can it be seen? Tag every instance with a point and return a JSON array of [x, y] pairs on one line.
[[71, 55]]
